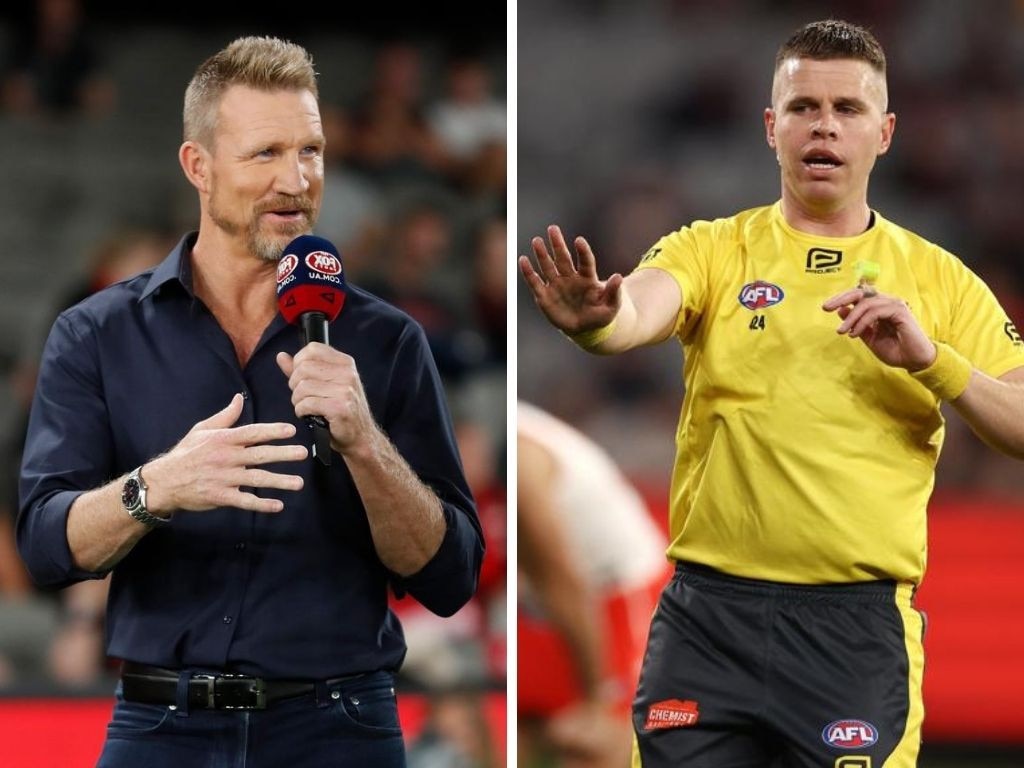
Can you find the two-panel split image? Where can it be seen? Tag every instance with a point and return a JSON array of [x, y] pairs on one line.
[[597, 385]]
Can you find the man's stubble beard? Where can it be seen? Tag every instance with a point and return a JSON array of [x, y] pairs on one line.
[[268, 248]]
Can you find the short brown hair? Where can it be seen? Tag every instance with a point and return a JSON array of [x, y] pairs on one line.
[[833, 39], [265, 63]]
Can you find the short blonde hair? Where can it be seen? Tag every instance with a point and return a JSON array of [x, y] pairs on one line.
[[264, 63], [833, 39]]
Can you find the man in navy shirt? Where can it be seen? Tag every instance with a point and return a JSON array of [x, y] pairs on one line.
[[249, 589]]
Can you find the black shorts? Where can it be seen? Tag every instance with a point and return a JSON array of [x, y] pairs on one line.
[[741, 673]]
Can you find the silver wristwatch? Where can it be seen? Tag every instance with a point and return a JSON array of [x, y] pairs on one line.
[[133, 497]]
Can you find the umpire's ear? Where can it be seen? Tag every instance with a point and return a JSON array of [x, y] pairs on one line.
[[769, 126]]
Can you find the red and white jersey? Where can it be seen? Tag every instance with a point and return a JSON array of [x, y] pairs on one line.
[[606, 521]]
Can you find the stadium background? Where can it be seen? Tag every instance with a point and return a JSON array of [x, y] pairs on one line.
[[635, 118], [415, 201]]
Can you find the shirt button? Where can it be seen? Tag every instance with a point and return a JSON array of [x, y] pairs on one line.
[[240, 546], [245, 395], [226, 619]]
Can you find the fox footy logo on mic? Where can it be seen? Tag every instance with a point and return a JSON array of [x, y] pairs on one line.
[[310, 278], [320, 266], [323, 262], [286, 266]]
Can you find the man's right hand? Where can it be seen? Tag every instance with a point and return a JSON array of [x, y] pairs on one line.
[[572, 298], [215, 460]]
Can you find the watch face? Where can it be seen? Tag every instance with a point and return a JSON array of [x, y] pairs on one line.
[[130, 493]]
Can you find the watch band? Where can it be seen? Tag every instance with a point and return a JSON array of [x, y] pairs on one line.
[[133, 498]]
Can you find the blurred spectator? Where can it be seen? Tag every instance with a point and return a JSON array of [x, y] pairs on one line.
[[56, 69], [351, 215], [469, 122], [484, 465], [456, 734], [393, 142], [76, 657], [123, 253], [14, 581], [591, 569], [490, 281], [415, 276]]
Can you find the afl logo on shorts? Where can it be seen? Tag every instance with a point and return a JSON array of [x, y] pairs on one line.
[[323, 262], [849, 734], [286, 266], [759, 294]]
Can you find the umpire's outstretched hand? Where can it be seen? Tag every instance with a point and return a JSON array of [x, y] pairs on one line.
[[571, 297]]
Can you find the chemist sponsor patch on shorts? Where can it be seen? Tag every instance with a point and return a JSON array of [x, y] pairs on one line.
[[760, 294], [849, 734], [671, 713]]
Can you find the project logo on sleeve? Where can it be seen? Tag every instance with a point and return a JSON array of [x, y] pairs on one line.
[[1012, 333]]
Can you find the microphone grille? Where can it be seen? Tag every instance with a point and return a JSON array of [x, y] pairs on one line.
[[310, 278]]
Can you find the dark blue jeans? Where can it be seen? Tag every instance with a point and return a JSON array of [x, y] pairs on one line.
[[353, 724]]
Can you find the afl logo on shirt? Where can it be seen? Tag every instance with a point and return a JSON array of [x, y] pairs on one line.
[[286, 266], [759, 294], [849, 734]]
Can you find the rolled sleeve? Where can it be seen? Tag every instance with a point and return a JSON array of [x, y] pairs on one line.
[[449, 579], [420, 427], [67, 450], [43, 543]]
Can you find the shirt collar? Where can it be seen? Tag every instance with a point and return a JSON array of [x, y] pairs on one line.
[[176, 267]]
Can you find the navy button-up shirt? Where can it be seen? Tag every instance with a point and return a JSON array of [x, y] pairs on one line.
[[299, 594]]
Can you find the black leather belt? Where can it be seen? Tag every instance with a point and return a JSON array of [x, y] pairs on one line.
[[156, 685]]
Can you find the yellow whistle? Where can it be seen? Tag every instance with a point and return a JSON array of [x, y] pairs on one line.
[[867, 272]]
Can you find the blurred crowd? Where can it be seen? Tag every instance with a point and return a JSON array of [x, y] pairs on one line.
[[650, 116], [415, 200]]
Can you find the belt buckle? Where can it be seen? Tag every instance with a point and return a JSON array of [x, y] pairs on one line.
[[211, 683], [257, 687]]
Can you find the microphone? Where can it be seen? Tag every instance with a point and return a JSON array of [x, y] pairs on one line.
[[311, 293]]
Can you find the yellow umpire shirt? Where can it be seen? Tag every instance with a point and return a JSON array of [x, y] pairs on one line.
[[800, 457]]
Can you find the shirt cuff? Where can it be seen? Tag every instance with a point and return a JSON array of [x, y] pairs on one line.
[[449, 579], [49, 558]]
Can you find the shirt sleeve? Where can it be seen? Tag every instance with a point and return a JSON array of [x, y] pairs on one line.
[[418, 423], [681, 255], [67, 452], [979, 328]]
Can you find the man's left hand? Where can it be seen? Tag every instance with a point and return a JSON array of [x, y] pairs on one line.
[[325, 382], [886, 325]]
